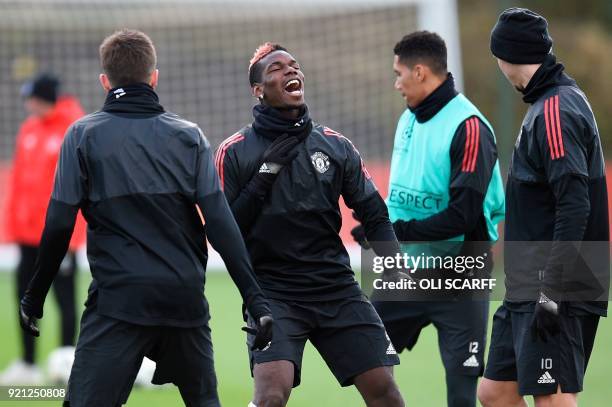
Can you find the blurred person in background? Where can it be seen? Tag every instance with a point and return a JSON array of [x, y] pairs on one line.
[[31, 181]]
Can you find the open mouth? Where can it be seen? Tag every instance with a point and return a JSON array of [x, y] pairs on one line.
[[294, 87]]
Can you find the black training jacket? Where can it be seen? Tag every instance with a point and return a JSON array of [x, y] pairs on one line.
[[137, 173], [294, 244], [556, 189]]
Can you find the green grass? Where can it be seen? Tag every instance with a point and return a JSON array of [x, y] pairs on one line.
[[420, 376]]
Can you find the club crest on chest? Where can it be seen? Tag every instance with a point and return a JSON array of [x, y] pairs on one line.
[[320, 161]]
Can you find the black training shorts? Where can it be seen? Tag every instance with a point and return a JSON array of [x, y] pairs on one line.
[[461, 326], [109, 353], [539, 367], [348, 333]]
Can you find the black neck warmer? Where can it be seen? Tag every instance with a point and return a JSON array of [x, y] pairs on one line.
[[138, 98], [436, 100], [548, 75], [270, 123]]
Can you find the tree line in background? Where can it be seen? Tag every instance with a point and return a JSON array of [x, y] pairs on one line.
[[582, 34]]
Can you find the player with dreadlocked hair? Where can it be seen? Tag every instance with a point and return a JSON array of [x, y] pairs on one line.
[[283, 176], [255, 68]]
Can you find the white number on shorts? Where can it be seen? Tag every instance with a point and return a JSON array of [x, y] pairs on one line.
[[546, 364], [473, 347]]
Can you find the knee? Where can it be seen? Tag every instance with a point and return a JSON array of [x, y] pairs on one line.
[[393, 396], [543, 401], [272, 398], [486, 395], [559, 399], [386, 393], [273, 383]]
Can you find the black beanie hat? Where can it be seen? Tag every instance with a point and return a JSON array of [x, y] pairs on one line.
[[44, 86], [521, 37]]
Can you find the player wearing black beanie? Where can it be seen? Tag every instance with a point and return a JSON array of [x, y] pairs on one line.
[[521, 37], [556, 217]]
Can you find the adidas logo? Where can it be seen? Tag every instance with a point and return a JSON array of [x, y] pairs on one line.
[[391, 350], [119, 92], [546, 378], [267, 347], [471, 362], [264, 168]]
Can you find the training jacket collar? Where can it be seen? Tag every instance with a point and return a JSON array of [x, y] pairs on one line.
[[436, 100], [137, 98], [269, 122], [550, 74]]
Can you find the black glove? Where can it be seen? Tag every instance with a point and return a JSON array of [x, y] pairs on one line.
[[263, 332], [358, 233], [278, 154], [545, 321], [28, 323], [402, 229]]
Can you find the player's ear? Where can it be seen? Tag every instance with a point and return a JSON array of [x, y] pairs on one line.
[[419, 72], [105, 82], [154, 79], [257, 91]]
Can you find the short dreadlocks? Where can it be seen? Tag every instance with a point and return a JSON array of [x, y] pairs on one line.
[[255, 68]]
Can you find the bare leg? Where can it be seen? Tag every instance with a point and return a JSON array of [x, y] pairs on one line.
[[273, 383], [557, 400], [493, 393], [378, 388]]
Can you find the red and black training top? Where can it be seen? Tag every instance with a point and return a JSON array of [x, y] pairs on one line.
[[292, 230], [556, 189]]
